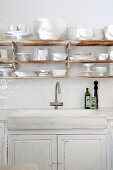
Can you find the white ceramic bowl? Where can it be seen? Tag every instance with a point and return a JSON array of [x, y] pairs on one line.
[[84, 34], [108, 31], [59, 73], [50, 28], [23, 56], [98, 34], [25, 74], [101, 70], [103, 56], [59, 56]]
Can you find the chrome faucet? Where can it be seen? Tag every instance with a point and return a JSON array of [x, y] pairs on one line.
[[57, 91]]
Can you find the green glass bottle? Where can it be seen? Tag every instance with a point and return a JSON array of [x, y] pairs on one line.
[[87, 99]]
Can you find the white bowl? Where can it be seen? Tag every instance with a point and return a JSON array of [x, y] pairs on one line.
[[108, 30], [23, 56], [59, 73], [84, 34], [59, 56], [25, 74], [50, 28], [98, 34], [103, 56], [101, 70]]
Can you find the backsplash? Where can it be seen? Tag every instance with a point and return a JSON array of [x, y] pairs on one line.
[[38, 93]]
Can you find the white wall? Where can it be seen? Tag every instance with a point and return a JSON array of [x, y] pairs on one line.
[[38, 93]]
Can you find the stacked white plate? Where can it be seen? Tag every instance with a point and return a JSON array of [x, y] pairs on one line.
[[83, 57]]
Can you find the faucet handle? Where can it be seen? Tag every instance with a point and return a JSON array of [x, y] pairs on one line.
[[56, 103]]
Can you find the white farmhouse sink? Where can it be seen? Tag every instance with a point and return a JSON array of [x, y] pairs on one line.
[[57, 113], [56, 119]]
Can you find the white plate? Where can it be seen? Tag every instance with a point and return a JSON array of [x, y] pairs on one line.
[[19, 34], [25, 74]]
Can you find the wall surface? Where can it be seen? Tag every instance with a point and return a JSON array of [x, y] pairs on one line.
[[38, 93]]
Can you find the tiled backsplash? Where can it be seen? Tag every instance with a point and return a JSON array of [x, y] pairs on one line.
[[38, 93]]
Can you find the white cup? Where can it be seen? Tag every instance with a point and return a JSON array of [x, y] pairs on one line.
[[12, 28], [43, 54]]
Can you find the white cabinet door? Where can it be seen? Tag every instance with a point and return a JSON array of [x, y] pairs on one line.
[[39, 149], [81, 152], [2, 145]]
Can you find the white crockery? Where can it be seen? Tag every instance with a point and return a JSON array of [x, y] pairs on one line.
[[103, 56], [84, 34], [25, 74], [108, 30], [98, 34], [59, 56], [59, 73], [48, 28], [23, 56], [101, 70]]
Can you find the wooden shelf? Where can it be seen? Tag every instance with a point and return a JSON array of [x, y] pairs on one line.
[[91, 42], [90, 61], [37, 42], [40, 77], [96, 76], [7, 42], [42, 61]]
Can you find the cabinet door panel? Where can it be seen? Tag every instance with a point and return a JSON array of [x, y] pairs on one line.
[[82, 152], [2, 144], [39, 149]]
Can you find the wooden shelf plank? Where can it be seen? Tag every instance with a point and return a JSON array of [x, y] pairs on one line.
[[37, 42], [40, 77], [91, 42], [90, 61], [42, 61], [96, 76]]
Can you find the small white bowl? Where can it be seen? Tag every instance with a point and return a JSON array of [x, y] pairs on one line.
[[103, 56], [101, 70], [59, 56], [23, 56], [59, 73], [25, 74]]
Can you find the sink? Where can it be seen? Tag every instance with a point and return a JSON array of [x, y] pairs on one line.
[[57, 113], [56, 119]]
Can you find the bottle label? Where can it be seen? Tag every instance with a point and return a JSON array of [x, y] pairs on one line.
[[87, 101]]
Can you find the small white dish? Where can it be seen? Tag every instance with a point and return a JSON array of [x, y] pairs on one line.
[[108, 30], [59, 56], [25, 74], [43, 72], [98, 34], [19, 34], [6, 71], [59, 73], [101, 70], [103, 56], [23, 56], [84, 34]]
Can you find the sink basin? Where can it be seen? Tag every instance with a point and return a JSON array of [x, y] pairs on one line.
[[56, 119], [57, 113]]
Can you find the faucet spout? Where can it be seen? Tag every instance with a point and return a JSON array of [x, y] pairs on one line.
[[57, 91]]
